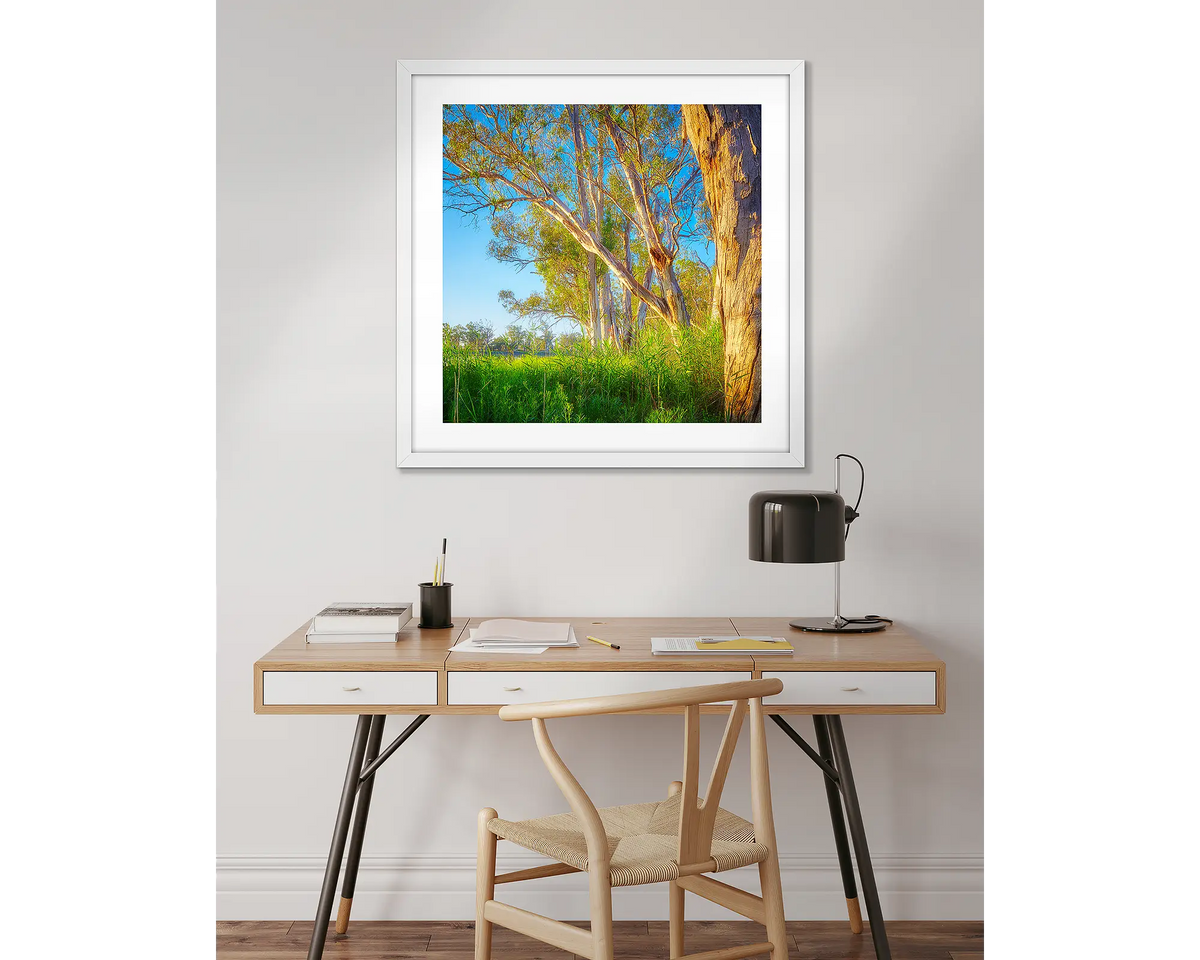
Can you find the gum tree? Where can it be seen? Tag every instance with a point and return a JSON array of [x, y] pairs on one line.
[[500, 158], [727, 140]]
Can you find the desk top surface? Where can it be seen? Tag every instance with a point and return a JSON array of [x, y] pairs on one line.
[[892, 649]]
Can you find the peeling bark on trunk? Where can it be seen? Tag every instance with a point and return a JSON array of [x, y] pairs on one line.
[[585, 211], [727, 139], [714, 308]]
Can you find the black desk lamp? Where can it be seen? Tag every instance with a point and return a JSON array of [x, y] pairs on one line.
[[810, 526]]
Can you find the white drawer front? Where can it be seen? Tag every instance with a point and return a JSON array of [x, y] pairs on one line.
[[883, 687], [533, 686], [282, 687]]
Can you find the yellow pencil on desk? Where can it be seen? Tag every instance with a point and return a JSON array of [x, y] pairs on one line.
[[605, 642]]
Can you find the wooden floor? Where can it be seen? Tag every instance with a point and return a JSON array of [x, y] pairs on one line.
[[634, 940]]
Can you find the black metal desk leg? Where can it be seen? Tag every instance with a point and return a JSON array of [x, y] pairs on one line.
[[341, 827], [858, 835], [839, 829], [361, 810]]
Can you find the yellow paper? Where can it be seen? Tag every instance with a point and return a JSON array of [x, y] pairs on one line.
[[744, 643]]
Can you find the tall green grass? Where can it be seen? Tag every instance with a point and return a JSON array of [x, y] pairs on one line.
[[664, 378]]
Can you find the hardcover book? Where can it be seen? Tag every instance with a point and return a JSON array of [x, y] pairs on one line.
[[362, 618]]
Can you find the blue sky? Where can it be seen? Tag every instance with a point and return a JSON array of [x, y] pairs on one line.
[[471, 279]]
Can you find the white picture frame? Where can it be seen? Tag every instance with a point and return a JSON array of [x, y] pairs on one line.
[[424, 442]]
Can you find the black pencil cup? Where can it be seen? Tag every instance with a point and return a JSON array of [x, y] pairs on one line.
[[435, 605]]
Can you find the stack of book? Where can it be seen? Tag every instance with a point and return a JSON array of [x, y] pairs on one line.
[[359, 623]]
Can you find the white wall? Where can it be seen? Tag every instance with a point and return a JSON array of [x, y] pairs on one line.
[[313, 509]]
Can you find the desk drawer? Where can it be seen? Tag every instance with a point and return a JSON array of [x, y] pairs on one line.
[[468, 687], [282, 687], [883, 687]]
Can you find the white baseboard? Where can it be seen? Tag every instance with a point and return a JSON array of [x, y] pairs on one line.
[[916, 887]]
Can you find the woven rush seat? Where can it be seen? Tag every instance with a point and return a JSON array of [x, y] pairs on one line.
[[643, 840]]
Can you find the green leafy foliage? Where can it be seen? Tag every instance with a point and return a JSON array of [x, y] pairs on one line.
[[664, 378]]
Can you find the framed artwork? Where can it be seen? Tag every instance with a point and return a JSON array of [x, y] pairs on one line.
[[600, 264]]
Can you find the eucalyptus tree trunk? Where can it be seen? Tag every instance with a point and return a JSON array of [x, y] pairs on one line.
[[609, 324], [674, 311], [727, 139], [610, 311], [648, 283], [714, 307], [627, 314], [585, 211], [671, 290]]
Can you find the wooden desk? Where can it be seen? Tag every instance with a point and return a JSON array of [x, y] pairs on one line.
[[829, 675], [888, 672]]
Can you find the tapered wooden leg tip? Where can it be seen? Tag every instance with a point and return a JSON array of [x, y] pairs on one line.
[[855, 915], [343, 917]]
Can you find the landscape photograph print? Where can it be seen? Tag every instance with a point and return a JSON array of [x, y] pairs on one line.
[[602, 263]]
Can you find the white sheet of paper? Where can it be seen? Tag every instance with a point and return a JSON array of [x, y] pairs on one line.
[[499, 645], [528, 630], [470, 646]]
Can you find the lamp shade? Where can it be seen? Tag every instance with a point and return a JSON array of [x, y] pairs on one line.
[[797, 526]]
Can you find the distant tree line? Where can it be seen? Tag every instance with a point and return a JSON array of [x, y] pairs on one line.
[[481, 337]]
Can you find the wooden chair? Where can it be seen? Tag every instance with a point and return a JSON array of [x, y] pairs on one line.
[[677, 840]]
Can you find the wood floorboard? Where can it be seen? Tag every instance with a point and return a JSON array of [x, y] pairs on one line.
[[633, 940], [345, 950], [700, 936], [403, 936], [456, 941], [257, 928], [909, 940]]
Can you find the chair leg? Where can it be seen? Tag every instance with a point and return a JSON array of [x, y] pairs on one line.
[[485, 884], [676, 893], [764, 833], [772, 896], [600, 897]]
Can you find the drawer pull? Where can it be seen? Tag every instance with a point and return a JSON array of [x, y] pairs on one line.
[[511, 689], [850, 689], [351, 689]]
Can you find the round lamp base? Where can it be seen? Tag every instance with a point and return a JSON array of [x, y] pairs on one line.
[[826, 625]]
